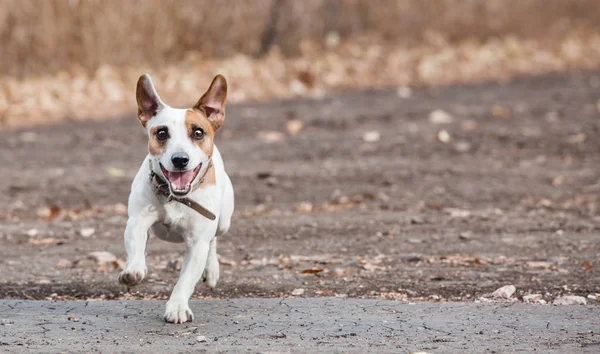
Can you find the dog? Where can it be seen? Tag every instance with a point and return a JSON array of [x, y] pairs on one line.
[[181, 192]]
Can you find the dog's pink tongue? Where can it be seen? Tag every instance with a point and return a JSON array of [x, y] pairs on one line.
[[180, 180]]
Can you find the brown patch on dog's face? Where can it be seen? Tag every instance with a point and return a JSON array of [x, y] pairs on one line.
[[196, 122], [209, 179], [157, 146]]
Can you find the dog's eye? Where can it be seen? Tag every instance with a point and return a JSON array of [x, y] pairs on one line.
[[198, 133], [162, 134]]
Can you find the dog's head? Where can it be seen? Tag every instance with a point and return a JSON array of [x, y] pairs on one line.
[[181, 141]]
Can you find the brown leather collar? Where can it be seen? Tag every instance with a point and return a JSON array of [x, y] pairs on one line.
[[161, 187]]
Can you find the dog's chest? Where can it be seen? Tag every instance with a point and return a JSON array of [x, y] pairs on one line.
[[178, 216]]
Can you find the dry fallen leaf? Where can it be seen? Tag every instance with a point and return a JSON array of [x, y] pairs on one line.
[[304, 207], [294, 126], [313, 270], [64, 263], [587, 265], [500, 112], [115, 172], [371, 136], [557, 181], [44, 241], [479, 262], [540, 265], [269, 136], [50, 212], [440, 116], [120, 209], [577, 138], [103, 257], [227, 262]]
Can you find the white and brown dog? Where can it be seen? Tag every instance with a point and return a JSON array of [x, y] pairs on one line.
[[181, 192]]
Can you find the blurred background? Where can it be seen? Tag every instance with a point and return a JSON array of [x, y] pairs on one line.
[[75, 59]]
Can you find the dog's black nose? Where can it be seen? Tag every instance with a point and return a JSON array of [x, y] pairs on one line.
[[180, 160]]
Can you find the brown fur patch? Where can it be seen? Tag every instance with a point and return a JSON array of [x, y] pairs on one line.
[[155, 146], [209, 179], [197, 119]]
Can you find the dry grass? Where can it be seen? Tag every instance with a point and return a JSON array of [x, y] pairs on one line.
[[79, 59], [357, 64], [40, 37]]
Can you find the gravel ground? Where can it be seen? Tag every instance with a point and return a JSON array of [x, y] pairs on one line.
[[436, 194]]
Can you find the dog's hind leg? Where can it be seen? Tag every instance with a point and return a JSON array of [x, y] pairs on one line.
[[227, 206], [211, 272]]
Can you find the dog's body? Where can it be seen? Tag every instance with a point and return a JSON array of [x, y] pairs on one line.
[[184, 157]]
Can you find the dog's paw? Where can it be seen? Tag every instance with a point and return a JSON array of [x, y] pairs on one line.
[[131, 276], [178, 312], [211, 273]]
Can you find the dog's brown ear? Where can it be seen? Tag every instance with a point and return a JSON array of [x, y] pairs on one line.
[[212, 103], [149, 103]]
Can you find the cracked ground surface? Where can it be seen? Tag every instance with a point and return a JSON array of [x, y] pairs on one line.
[[299, 325]]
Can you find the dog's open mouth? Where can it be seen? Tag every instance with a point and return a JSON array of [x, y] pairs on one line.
[[180, 181]]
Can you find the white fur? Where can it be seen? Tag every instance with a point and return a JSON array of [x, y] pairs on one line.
[[175, 222]]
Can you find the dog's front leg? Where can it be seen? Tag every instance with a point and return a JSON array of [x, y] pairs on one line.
[[136, 237], [194, 262]]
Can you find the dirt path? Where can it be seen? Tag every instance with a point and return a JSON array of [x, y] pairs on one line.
[[299, 325], [512, 198]]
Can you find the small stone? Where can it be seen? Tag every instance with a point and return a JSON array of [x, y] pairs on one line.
[[103, 257], [414, 241], [570, 300], [371, 137], [404, 92], [64, 263], [504, 292], [32, 232], [87, 232], [465, 236], [304, 207], [201, 339], [542, 302], [440, 117], [298, 292], [592, 297], [443, 136], [6, 322], [532, 297], [462, 146], [416, 220]]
